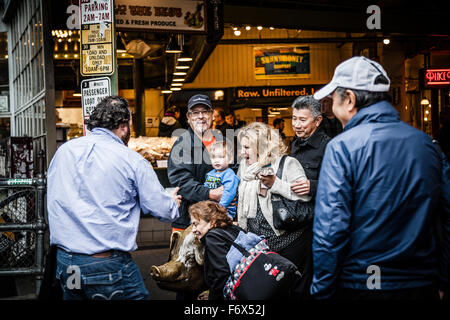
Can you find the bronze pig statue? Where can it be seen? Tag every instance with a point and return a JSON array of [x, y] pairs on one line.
[[184, 270]]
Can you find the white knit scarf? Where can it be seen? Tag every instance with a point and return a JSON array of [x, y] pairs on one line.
[[248, 193]]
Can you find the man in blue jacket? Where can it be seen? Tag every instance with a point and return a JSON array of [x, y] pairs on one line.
[[379, 190]]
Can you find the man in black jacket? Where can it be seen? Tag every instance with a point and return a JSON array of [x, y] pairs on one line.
[[189, 159], [309, 142], [308, 148]]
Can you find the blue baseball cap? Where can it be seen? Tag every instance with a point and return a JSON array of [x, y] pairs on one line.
[[199, 99]]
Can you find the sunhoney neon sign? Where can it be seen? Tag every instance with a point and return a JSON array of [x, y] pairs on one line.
[[437, 77]]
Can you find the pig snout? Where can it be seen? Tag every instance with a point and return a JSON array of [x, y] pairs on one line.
[[184, 270], [168, 271]]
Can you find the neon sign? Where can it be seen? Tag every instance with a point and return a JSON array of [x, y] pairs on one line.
[[436, 77]]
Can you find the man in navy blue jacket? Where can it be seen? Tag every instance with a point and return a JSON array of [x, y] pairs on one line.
[[380, 187]]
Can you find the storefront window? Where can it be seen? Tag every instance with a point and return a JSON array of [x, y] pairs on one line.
[[4, 88]]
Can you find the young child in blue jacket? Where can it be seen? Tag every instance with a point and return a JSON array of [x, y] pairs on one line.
[[221, 154]]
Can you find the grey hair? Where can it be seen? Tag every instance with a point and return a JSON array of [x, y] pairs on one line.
[[308, 102]]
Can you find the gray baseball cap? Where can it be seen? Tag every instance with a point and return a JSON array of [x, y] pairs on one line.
[[357, 73], [199, 99]]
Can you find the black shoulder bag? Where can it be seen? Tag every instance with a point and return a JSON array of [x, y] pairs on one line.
[[288, 214]]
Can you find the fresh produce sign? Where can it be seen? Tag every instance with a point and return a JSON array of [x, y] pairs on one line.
[[167, 15]]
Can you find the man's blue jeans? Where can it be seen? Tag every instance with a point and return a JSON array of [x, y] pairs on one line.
[[116, 277]]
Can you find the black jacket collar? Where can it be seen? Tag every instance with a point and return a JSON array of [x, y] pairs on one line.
[[314, 140]]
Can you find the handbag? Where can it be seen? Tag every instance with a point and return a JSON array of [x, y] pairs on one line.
[[261, 275], [290, 214]]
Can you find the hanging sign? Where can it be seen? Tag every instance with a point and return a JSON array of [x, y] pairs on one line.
[[92, 92], [97, 30], [163, 15], [281, 62], [291, 92], [437, 77]]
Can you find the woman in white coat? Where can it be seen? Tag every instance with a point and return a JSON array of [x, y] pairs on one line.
[[261, 149]]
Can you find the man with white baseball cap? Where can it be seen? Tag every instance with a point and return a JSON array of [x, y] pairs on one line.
[[380, 183]]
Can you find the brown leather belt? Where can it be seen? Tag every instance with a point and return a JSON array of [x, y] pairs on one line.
[[105, 254]]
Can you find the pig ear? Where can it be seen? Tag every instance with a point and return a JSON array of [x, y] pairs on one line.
[[174, 237], [199, 251]]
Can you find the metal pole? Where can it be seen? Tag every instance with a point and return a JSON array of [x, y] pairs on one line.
[[40, 222]]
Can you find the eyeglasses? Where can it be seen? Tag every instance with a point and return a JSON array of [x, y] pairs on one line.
[[196, 114]]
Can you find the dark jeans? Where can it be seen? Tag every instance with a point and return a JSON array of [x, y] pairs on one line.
[[429, 293], [116, 277], [300, 253]]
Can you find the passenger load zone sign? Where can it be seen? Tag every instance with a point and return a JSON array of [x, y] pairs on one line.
[[97, 50], [92, 92]]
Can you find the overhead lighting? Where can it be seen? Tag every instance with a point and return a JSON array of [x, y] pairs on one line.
[[182, 67], [424, 101], [275, 112], [175, 89], [77, 94], [234, 28], [259, 27], [386, 41], [271, 28], [218, 94], [178, 80], [179, 73], [237, 33], [184, 59], [248, 28], [166, 91], [176, 84], [271, 115]]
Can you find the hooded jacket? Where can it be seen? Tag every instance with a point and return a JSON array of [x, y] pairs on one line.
[[380, 184]]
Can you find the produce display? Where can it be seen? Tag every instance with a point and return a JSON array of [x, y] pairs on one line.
[[152, 148]]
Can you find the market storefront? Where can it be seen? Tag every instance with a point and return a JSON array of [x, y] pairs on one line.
[[251, 59]]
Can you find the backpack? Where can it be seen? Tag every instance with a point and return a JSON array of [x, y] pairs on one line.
[[260, 274]]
